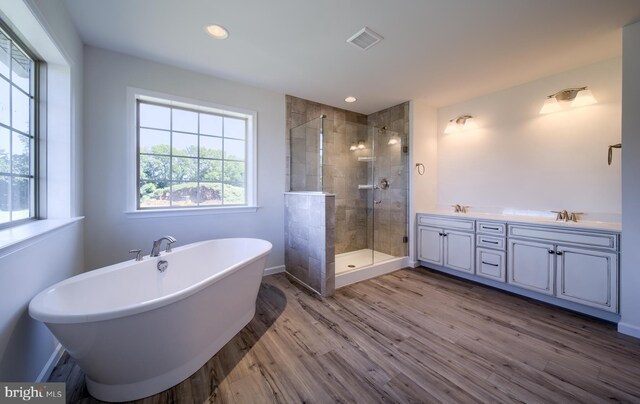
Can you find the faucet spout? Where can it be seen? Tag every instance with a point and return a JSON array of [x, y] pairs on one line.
[[155, 250]]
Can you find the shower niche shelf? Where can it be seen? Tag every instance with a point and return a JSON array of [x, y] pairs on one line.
[[366, 158]]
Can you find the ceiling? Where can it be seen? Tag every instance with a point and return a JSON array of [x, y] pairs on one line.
[[443, 51]]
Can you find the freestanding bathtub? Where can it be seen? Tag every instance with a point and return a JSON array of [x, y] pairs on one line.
[[136, 331]]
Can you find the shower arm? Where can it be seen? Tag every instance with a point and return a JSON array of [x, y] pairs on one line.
[[610, 154]]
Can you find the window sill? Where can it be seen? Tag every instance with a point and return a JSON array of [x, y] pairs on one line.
[[190, 211], [16, 238]]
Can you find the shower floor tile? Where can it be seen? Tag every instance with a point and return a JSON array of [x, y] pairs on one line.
[[352, 260]]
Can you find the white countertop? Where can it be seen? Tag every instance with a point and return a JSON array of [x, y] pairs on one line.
[[540, 220]]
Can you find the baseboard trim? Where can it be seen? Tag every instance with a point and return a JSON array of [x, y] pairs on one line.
[[50, 365], [274, 270], [629, 329]]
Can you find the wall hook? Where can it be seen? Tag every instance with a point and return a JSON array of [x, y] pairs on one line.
[[611, 147], [420, 168]]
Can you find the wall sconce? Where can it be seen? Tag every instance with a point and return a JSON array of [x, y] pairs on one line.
[[359, 146], [395, 139], [579, 97], [463, 122]]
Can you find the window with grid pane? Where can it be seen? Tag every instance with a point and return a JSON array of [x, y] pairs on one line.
[[189, 158], [17, 134]]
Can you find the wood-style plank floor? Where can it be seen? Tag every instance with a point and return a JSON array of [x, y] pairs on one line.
[[407, 337]]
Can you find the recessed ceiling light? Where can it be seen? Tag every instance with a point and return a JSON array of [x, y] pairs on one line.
[[351, 99], [217, 31]]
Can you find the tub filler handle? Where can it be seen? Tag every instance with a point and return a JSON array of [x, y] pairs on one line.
[[138, 254], [155, 250]]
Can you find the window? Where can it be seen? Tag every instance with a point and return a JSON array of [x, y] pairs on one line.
[[17, 131], [192, 156]]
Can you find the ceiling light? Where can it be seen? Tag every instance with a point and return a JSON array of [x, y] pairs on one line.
[[463, 122], [351, 99], [395, 139], [580, 96], [361, 145], [353, 147], [217, 31]]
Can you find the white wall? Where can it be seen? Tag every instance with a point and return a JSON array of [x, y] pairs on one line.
[[110, 234], [630, 255], [424, 150], [520, 159], [25, 344]]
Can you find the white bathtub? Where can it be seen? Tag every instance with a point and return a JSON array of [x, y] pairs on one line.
[[136, 331]]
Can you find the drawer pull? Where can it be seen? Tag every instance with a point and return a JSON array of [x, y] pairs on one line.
[[490, 242], [490, 228], [488, 263]]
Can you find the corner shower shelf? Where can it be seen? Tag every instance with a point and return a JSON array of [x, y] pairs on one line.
[[365, 186], [366, 158]]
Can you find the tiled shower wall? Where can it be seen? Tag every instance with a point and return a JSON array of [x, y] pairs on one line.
[[309, 230], [392, 163], [342, 172]]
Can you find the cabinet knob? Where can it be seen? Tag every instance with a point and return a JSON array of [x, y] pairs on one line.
[[559, 253], [551, 252]]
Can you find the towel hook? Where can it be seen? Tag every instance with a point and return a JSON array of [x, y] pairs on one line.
[[420, 168], [611, 147]]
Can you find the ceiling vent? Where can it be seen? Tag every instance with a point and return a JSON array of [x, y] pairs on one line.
[[365, 38]]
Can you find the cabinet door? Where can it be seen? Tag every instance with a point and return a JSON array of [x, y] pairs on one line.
[[491, 264], [531, 265], [459, 248], [430, 245], [588, 277]]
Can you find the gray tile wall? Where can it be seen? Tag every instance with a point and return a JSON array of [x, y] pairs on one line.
[[342, 172], [309, 240]]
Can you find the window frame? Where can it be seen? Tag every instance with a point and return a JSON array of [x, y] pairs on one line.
[[135, 97], [35, 101]]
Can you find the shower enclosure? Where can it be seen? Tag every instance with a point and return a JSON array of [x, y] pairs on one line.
[[365, 169]]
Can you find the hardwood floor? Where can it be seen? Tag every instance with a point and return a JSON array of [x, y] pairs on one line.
[[411, 336]]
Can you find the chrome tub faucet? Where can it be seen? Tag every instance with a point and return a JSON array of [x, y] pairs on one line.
[[155, 250]]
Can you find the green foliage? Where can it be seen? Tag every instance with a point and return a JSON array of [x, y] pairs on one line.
[[157, 170]]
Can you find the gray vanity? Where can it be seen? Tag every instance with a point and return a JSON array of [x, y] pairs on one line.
[[573, 265]]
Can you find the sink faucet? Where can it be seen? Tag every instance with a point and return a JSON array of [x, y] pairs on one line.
[[155, 250], [457, 208], [562, 215]]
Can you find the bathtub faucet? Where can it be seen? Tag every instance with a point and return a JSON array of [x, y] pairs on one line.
[[155, 250]]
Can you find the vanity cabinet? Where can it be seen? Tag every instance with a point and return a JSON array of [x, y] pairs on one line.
[[490, 250], [531, 265], [573, 265], [561, 264], [588, 277], [447, 242]]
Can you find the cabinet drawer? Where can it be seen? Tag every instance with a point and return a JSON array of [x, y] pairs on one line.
[[562, 236], [491, 264], [490, 242], [499, 229], [436, 221]]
